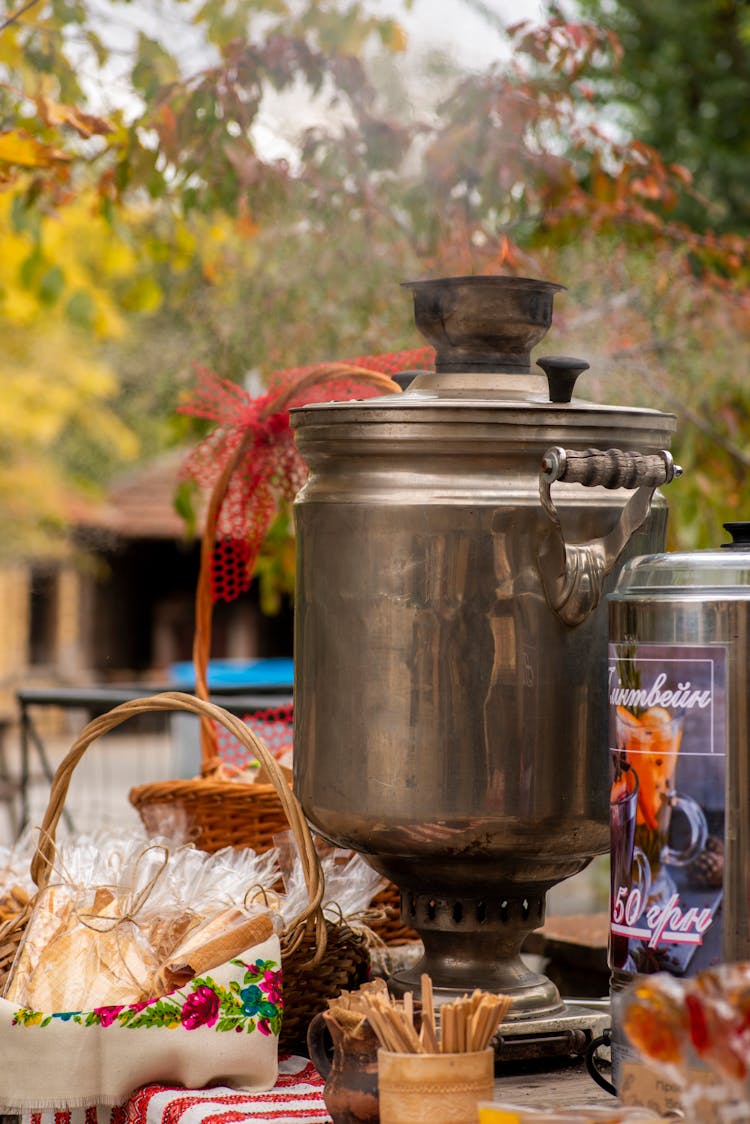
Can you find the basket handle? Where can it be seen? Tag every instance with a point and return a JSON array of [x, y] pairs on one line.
[[42, 862], [320, 373]]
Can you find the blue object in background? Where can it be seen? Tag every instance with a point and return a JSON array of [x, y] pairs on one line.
[[275, 672]]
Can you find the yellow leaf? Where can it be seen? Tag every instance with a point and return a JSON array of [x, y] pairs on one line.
[[394, 37], [118, 259], [107, 324], [11, 53], [218, 233], [19, 307], [85, 124], [183, 247], [144, 295], [17, 147]]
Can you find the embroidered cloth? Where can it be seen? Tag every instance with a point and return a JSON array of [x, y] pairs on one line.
[[219, 1029], [296, 1098]]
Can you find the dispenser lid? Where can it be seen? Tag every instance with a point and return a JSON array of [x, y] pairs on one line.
[[724, 571]]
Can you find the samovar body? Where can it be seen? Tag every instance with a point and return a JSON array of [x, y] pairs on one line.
[[451, 643]]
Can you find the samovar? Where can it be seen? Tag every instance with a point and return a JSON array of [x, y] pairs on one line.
[[455, 543]]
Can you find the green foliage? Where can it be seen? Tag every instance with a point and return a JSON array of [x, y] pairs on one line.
[[683, 85], [145, 236], [659, 337], [128, 219], [275, 565]]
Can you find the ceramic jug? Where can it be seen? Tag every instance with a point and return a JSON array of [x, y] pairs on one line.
[[348, 1060]]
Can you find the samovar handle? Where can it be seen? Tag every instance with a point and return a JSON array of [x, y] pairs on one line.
[[573, 574]]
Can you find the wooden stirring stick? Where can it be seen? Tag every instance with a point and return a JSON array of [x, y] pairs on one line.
[[387, 1033], [448, 1029], [409, 1007], [427, 1034], [466, 1024]]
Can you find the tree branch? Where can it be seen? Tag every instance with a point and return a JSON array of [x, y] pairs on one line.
[[14, 16]]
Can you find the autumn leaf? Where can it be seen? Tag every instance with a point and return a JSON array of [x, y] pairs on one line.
[[646, 186], [85, 124], [393, 36], [506, 252], [681, 173], [167, 128], [17, 147], [245, 224]]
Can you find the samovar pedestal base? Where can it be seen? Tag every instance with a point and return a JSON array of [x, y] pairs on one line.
[[476, 943]]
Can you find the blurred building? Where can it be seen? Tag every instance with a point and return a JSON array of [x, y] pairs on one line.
[[121, 609]]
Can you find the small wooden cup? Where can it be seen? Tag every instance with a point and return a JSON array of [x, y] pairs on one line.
[[434, 1088]]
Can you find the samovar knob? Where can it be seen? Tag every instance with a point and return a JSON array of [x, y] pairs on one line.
[[562, 371]]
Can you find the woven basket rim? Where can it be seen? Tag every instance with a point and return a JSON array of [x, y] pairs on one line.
[[206, 785]]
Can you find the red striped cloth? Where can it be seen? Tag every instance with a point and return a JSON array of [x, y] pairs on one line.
[[296, 1098]]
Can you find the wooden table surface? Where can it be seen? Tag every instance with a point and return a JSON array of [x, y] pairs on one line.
[[552, 1085]]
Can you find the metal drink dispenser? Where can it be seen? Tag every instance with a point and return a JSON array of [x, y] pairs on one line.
[[455, 546], [679, 689]]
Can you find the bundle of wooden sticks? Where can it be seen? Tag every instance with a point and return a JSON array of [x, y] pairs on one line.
[[466, 1025]]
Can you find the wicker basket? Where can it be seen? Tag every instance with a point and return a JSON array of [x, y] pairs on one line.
[[319, 958], [387, 923], [218, 812]]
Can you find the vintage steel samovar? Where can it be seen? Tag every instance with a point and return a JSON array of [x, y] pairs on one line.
[[455, 542]]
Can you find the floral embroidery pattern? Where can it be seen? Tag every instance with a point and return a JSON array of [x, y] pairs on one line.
[[252, 1003]]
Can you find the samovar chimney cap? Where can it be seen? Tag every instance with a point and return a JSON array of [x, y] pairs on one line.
[[483, 322]]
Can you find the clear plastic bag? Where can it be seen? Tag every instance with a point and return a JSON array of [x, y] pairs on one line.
[[350, 882], [124, 919]]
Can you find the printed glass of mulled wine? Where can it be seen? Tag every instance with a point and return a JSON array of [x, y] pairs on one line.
[[650, 742]]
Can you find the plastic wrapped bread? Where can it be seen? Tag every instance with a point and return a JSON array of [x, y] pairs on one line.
[[126, 920]]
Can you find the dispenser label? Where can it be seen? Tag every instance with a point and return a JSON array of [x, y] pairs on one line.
[[667, 737]]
